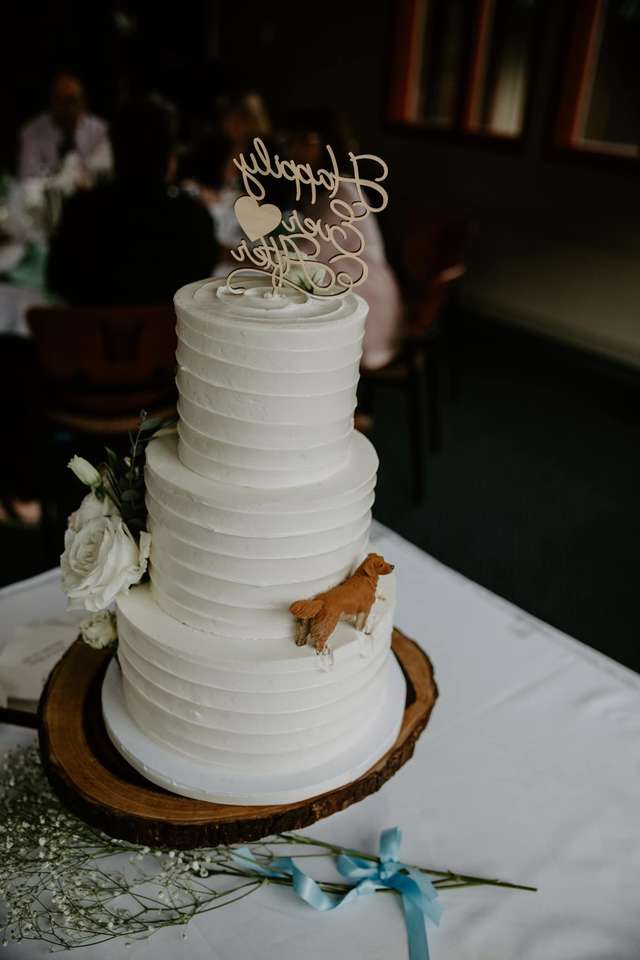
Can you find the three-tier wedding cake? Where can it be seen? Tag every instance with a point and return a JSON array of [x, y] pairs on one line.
[[263, 496]]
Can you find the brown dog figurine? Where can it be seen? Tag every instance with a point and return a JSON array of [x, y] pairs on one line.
[[352, 599]]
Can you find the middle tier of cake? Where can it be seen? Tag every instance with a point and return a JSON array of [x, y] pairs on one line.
[[230, 560]]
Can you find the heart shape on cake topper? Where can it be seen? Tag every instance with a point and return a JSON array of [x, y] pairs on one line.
[[256, 219]]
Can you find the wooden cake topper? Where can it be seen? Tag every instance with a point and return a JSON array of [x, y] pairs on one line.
[[292, 255], [316, 619]]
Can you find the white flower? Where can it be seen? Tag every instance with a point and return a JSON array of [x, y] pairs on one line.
[[91, 508], [100, 630], [101, 559], [85, 471]]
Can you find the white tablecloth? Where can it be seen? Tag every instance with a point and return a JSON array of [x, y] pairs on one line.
[[528, 770]]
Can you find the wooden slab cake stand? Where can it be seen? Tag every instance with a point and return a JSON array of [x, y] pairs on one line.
[[97, 784]]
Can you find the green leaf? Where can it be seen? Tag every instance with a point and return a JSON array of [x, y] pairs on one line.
[[113, 459]]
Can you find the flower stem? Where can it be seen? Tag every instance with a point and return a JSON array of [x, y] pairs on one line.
[[457, 879]]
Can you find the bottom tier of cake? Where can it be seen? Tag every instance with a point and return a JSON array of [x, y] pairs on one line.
[[242, 723]]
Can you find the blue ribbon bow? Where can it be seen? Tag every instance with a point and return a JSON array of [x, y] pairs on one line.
[[419, 896]]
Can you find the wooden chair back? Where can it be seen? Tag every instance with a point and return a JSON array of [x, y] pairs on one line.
[[105, 362], [434, 256]]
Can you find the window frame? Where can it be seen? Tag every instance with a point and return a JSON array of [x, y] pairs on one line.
[[405, 66], [574, 73]]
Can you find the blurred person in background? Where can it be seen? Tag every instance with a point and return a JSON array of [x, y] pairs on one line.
[[202, 174], [137, 239], [243, 117], [66, 130], [308, 133], [22, 472]]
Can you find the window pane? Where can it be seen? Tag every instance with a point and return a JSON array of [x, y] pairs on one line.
[[448, 24], [613, 115], [504, 91]]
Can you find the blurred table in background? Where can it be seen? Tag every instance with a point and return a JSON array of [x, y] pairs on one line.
[[14, 304], [22, 286], [528, 771], [29, 213]]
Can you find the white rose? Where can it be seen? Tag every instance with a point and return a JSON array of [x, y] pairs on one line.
[[85, 471], [90, 509], [99, 631], [101, 560]]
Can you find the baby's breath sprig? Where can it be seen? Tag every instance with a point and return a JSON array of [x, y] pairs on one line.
[[70, 885]]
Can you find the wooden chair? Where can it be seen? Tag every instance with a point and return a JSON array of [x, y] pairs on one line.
[[433, 258], [99, 368]]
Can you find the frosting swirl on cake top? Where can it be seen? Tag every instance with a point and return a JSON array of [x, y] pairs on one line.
[[213, 302]]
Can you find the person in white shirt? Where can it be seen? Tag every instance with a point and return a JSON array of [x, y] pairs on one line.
[[67, 128]]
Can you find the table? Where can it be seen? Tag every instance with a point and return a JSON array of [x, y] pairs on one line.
[[529, 770], [22, 288]]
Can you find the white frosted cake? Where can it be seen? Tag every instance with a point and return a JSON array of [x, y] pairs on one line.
[[261, 498]]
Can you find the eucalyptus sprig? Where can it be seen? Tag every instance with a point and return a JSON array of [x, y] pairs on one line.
[[124, 476], [446, 879]]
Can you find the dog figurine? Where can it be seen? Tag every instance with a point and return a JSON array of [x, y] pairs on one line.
[[350, 600]]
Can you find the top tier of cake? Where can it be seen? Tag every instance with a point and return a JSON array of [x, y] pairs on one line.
[[267, 382]]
